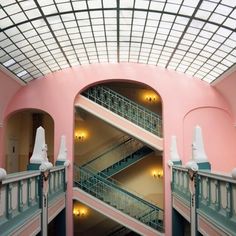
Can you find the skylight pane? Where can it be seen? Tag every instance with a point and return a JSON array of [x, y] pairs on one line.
[[109, 4], [9, 63], [20, 74]]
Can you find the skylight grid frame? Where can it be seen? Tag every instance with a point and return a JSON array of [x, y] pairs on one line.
[[159, 45], [20, 50], [27, 39], [206, 44], [68, 35]]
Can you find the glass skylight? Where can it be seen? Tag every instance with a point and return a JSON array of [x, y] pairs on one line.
[[196, 37]]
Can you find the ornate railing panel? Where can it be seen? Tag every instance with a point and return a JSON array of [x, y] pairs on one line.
[[126, 108], [122, 150]]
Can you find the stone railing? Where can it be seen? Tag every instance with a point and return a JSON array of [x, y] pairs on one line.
[[213, 195], [23, 195]]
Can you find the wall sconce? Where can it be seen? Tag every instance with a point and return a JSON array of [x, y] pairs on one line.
[[157, 174], [79, 137], [79, 212], [150, 98]]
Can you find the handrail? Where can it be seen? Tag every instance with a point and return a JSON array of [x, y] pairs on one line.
[[217, 176], [210, 174], [13, 177], [118, 185], [130, 110], [113, 147]]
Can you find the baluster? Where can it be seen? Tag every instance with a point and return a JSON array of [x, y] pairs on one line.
[[20, 196], [62, 179], [53, 182], [217, 195], [173, 179], [29, 195], [177, 180], [181, 181], [185, 184], [229, 200], [9, 201], [57, 186], [37, 187], [200, 193], [50, 184], [208, 181], [188, 192]]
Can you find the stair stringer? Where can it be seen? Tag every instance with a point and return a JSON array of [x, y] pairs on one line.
[[119, 122], [113, 213]]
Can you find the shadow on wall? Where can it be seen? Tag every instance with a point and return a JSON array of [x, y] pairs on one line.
[[20, 135]]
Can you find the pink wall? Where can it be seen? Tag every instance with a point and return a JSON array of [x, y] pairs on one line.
[[218, 134], [180, 94], [227, 87], [7, 89]]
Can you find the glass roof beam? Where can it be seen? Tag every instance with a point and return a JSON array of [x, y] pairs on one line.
[[186, 28], [118, 29], [144, 28], [51, 31]]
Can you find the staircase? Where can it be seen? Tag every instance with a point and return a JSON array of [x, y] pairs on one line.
[[126, 108], [114, 194], [117, 158], [93, 183], [127, 161], [123, 114]]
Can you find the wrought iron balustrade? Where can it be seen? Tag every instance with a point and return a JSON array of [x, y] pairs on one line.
[[111, 192], [126, 108]]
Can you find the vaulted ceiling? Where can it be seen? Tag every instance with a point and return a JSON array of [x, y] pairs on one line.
[[196, 37]]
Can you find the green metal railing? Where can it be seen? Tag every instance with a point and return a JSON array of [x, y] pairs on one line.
[[127, 161], [126, 108], [120, 141], [215, 196], [114, 155], [112, 192]]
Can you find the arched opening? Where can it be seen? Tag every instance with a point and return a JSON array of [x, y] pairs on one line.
[[99, 143], [20, 136]]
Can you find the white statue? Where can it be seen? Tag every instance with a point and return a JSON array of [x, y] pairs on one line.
[[39, 155], [62, 156], [198, 152], [3, 174], [174, 155]]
